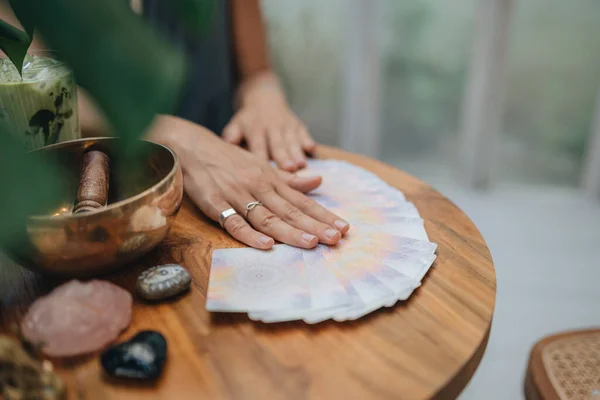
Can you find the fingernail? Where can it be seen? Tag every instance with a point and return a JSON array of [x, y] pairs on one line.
[[306, 176], [288, 164], [265, 240], [330, 233], [308, 238], [341, 225]]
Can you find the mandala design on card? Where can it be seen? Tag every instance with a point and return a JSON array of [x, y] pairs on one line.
[[260, 276]]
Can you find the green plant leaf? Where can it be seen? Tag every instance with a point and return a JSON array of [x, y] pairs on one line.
[[14, 43], [30, 183], [194, 14], [131, 72], [26, 22], [128, 69]]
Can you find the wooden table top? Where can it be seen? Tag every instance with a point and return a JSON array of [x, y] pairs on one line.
[[426, 347]]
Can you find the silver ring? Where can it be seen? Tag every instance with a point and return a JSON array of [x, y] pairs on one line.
[[250, 206], [224, 215]]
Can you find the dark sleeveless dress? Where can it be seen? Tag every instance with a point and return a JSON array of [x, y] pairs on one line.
[[208, 95]]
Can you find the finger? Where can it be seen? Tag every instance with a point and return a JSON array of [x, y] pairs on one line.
[[233, 133], [308, 144], [257, 144], [237, 227], [265, 221], [303, 184], [278, 151], [292, 141], [298, 219], [313, 209], [212, 203]]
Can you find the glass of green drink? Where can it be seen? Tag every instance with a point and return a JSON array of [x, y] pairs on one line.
[[41, 106]]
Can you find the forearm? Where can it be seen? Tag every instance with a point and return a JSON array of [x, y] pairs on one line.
[[170, 131], [91, 119], [184, 137], [249, 38], [252, 55]]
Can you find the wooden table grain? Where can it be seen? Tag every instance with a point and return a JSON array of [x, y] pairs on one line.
[[426, 347]]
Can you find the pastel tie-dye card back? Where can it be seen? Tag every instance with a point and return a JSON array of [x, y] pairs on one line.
[[381, 260], [256, 280]]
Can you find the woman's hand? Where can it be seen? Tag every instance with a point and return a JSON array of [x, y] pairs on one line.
[[268, 126], [219, 176]]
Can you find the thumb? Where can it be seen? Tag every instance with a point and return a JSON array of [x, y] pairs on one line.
[[302, 184]]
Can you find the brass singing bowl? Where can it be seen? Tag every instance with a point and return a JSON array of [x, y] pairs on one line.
[[143, 200]]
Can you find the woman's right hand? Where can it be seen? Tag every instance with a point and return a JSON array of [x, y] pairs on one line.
[[219, 176]]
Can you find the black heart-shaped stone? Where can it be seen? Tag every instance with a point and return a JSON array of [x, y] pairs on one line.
[[142, 357]]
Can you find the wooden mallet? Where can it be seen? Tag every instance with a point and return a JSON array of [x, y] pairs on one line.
[[92, 193]]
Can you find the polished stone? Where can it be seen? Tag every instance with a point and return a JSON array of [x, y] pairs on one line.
[[163, 281], [141, 358]]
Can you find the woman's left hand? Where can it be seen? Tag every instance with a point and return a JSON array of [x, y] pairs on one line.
[[269, 127]]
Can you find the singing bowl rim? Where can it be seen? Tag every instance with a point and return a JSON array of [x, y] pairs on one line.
[[117, 204]]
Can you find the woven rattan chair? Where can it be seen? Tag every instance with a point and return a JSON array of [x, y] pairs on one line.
[[565, 366]]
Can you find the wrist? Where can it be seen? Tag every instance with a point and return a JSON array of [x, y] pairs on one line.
[[167, 130], [262, 87], [179, 135]]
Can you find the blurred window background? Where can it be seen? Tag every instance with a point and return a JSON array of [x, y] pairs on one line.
[[552, 80], [306, 49]]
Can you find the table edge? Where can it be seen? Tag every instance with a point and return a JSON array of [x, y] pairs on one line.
[[461, 378]]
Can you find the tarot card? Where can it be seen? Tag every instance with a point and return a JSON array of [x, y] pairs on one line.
[[359, 312], [366, 284], [414, 265], [375, 216], [401, 284], [372, 281], [381, 260], [326, 290], [375, 193], [380, 244], [255, 280], [358, 280], [409, 263], [421, 265], [407, 226], [390, 277], [412, 228], [337, 174]]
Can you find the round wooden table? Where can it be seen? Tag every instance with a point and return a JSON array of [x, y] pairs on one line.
[[426, 347]]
